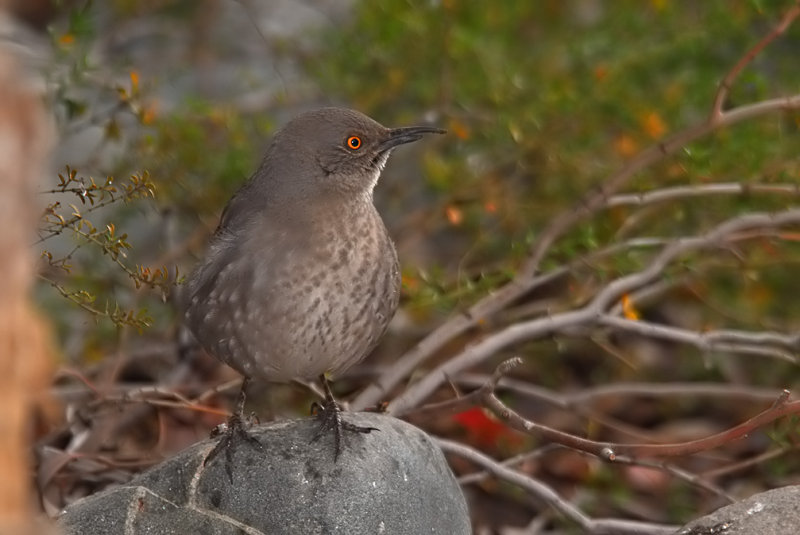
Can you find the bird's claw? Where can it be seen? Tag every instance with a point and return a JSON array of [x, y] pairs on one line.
[[231, 434], [329, 414]]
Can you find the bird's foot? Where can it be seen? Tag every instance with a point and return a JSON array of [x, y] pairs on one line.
[[233, 433], [329, 414]]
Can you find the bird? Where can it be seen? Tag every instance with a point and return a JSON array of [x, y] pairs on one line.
[[300, 279]]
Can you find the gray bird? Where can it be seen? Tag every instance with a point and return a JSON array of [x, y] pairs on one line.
[[301, 278]]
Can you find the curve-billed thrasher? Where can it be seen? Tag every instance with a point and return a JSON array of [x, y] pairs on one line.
[[301, 278]]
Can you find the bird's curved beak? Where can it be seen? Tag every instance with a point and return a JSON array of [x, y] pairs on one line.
[[407, 134]]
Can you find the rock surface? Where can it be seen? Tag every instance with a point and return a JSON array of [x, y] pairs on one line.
[[394, 480], [774, 512]]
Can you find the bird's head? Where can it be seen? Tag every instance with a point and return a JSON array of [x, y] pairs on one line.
[[335, 150]]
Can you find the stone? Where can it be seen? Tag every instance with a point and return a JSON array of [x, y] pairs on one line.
[[774, 512], [393, 480]]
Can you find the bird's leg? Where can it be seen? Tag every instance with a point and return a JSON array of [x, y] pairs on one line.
[[330, 415], [236, 430]]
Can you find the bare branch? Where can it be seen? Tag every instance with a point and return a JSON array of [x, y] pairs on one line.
[[584, 401], [610, 451], [749, 463], [429, 345], [727, 82], [550, 497], [715, 238], [590, 314], [590, 396], [700, 190], [476, 477], [538, 489], [756, 343], [692, 479]]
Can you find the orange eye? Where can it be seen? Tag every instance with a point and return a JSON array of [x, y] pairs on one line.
[[354, 142]]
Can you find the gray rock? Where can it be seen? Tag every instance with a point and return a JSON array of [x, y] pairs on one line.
[[774, 512], [394, 480]]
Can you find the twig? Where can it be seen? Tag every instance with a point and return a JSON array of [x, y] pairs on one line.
[[754, 343], [715, 238], [481, 475], [583, 401], [747, 463], [692, 479], [610, 451], [699, 190], [727, 82], [550, 497]]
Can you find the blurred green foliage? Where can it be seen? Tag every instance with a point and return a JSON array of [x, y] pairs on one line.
[[544, 100], [182, 164], [202, 154]]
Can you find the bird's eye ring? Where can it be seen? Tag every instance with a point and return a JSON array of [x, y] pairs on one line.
[[354, 142]]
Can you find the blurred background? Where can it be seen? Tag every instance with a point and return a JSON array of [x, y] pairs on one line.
[[163, 108]]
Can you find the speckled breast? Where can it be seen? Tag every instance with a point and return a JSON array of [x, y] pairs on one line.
[[301, 302]]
